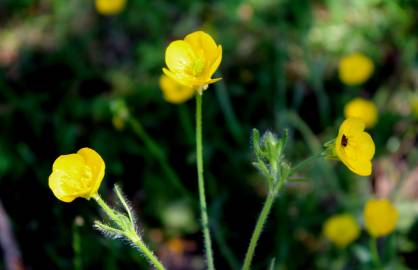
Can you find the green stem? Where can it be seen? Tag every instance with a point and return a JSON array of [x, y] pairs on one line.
[[131, 234], [375, 253], [201, 183], [76, 247], [109, 211], [305, 162], [136, 240], [258, 229], [158, 153]]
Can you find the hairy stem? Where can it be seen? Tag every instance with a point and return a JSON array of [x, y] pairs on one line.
[[201, 184], [258, 229]]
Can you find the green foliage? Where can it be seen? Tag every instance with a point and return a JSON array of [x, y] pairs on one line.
[[66, 72]]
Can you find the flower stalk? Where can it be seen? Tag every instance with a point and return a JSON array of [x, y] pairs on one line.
[[124, 226], [271, 163], [201, 184]]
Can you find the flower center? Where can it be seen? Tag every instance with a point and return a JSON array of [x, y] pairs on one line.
[[344, 141], [198, 66]]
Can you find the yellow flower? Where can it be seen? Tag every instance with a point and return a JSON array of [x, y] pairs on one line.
[[173, 91], [354, 147], [341, 229], [363, 109], [355, 68], [110, 7], [414, 106], [77, 175], [193, 61], [380, 217]]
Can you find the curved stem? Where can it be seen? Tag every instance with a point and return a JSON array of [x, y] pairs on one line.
[[305, 162], [258, 229], [109, 211], [201, 184], [136, 240]]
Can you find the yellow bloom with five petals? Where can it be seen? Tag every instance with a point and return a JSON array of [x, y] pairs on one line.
[[354, 147], [193, 61], [380, 217], [341, 229], [77, 175], [175, 92], [355, 68], [110, 7], [362, 108]]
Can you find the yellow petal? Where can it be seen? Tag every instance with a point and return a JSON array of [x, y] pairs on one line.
[[365, 146], [109, 7], [215, 64], [380, 217], [203, 44], [175, 92], [179, 57], [363, 109], [181, 78], [63, 181], [361, 167], [352, 125], [95, 162]]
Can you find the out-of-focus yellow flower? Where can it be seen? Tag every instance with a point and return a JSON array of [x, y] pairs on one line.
[[414, 106], [341, 229], [110, 7], [175, 92], [193, 61], [354, 147], [363, 109], [355, 68], [380, 217], [77, 175]]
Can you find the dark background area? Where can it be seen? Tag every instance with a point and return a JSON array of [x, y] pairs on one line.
[[62, 65]]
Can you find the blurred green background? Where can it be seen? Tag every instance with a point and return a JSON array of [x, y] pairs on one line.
[[63, 65]]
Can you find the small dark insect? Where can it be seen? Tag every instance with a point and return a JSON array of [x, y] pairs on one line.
[[344, 141]]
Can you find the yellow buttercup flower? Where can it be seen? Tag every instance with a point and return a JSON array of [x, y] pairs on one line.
[[354, 147], [175, 92], [380, 217], [363, 109], [77, 175], [110, 7], [193, 61], [341, 229], [355, 68]]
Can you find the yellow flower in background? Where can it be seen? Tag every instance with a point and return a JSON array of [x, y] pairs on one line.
[[354, 147], [77, 175], [363, 109], [414, 106], [380, 217], [355, 68], [110, 7], [192, 61], [173, 91], [341, 229]]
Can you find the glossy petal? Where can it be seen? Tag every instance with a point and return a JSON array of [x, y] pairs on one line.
[[354, 147], [96, 164], [193, 61], [77, 175], [179, 56]]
